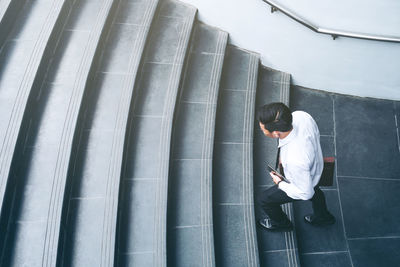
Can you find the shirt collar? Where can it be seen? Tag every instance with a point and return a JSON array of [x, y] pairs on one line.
[[288, 138]]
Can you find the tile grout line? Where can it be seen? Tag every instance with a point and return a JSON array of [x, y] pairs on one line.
[[369, 178], [337, 180], [325, 252], [397, 131], [374, 237], [275, 251]]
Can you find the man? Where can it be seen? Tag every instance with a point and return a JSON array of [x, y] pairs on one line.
[[302, 162]]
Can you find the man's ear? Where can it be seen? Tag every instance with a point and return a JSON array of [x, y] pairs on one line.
[[276, 134]]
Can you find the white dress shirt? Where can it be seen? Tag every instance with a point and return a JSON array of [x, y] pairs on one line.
[[301, 157]]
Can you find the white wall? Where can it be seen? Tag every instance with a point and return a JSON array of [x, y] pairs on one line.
[[349, 66]]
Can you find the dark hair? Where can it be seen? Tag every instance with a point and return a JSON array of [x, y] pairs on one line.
[[275, 117]]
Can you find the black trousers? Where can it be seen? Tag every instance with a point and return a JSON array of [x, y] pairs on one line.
[[272, 199]]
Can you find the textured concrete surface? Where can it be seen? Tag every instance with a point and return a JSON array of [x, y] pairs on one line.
[[126, 109], [362, 134]]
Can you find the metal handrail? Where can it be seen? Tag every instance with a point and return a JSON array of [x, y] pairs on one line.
[[334, 33]]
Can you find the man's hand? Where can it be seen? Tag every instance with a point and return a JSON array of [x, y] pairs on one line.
[[275, 177]]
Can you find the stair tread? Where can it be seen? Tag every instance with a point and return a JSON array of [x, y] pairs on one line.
[[20, 59], [276, 248], [190, 235], [235, 237], [147, 157], [99, 158], [58, 105]]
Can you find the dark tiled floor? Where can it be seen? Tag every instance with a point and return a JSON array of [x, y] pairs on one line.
[[190, 146], [183, 250], [274, 258], [187, 178], [229, 156], [363, 134], [320, 239], [375, 252], [367, 141], [229, 235], [334, 259], [316, 103], [230, 106], [370, 207]]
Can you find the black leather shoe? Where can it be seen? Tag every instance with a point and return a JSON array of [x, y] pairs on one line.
[[319, 221], [274, 226]]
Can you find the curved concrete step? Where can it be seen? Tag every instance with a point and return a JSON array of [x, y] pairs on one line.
[[8, 14], [43, 167], [24, 57], [190, 225], [142, 229], [234, 225], [276, 248], [98, 163], [4, 4]]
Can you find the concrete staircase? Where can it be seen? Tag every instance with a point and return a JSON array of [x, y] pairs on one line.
[[128, 138]]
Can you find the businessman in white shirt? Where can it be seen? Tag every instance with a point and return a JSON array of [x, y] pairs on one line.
[[302, 163]]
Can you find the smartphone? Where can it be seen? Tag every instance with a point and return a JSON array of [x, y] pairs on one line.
[[270, 169]]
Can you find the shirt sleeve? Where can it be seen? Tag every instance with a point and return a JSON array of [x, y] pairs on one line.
[[300, 186]]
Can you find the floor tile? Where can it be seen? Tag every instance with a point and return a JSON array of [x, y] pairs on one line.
[[68, 57], [367, 144], [34, 202], [152, 89], [92, 172], [270, 241], [371, 208], [143, 150], [206, 39], [229, 236], [274, 258], [136, 259], [320, 239], [165, 37], [328, 146], [21, 252], [228, 173], [185, 193], [175, 9], [31, 20], [131, 12], [331, 259], [230, 105], [13, 55], [375, 252], [235, 71], [317, 103], [189, 131], [137, 216], [84, 236], [117, 55], [186, 247], [107, 99], [198, 77], [84, 15]]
